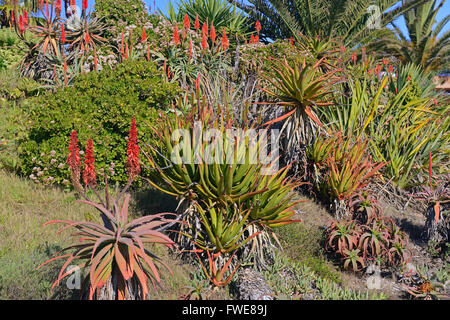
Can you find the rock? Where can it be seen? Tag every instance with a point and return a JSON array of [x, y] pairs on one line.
[[252, 286]]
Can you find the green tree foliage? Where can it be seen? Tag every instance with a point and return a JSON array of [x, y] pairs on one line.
[[352, 21], [419, 43]]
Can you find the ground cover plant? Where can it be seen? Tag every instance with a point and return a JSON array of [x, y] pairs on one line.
[[216, 150]]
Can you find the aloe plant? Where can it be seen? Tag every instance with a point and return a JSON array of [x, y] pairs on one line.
[[114, 253]]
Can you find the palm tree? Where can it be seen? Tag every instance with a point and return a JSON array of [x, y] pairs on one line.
[[419, 43], [352, 21]]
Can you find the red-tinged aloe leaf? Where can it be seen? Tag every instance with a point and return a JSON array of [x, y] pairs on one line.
[[97, 260], [52, 259], [100, 208], [142, 277], [436, 211], [122, 263], [124, 211], [286, 115], [150, 264], [98, 242], [103, 271], [79, 267]]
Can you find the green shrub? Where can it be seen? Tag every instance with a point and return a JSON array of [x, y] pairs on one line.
[[13, 87], [120, 13], [11, 50], [99, 106]]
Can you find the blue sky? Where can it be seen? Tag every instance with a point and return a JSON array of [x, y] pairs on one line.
[[162, 4]]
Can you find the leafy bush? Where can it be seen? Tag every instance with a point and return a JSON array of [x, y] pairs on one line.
[[10, 49], [98, 105], [121, 13], [13, 87]]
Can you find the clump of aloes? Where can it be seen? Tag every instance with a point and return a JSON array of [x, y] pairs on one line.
[[346, 170], [114, 253], [436, 195], [377, 241], [222, 190]]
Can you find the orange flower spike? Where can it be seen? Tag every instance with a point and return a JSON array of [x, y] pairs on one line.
[[204, 42], [176, 36], [144, 35], [63, 35], [133, 165], [212, 34], [73, 160], [186, 23], [25, 18], [89, 175], [225, 43], [196, 23], [257, 26], [21, 27]]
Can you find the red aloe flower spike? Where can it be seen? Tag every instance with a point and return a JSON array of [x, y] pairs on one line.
[[256, 39], [213, 33], [187, 23], [257, 26], [89, 176], [148, 53], [133, 165], [21, 27], [196, 23], [205, 28], [46, 9], [144, 35], [225, 43], [176, 37], [122, 46], [131, 37], [204, 42], [85, 5], [252, 39], [126, 50], [390, 69], [73, 160], [63, 35], [25, 18], [58, 7], [342, 49], [354, 57], [385, 61]]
